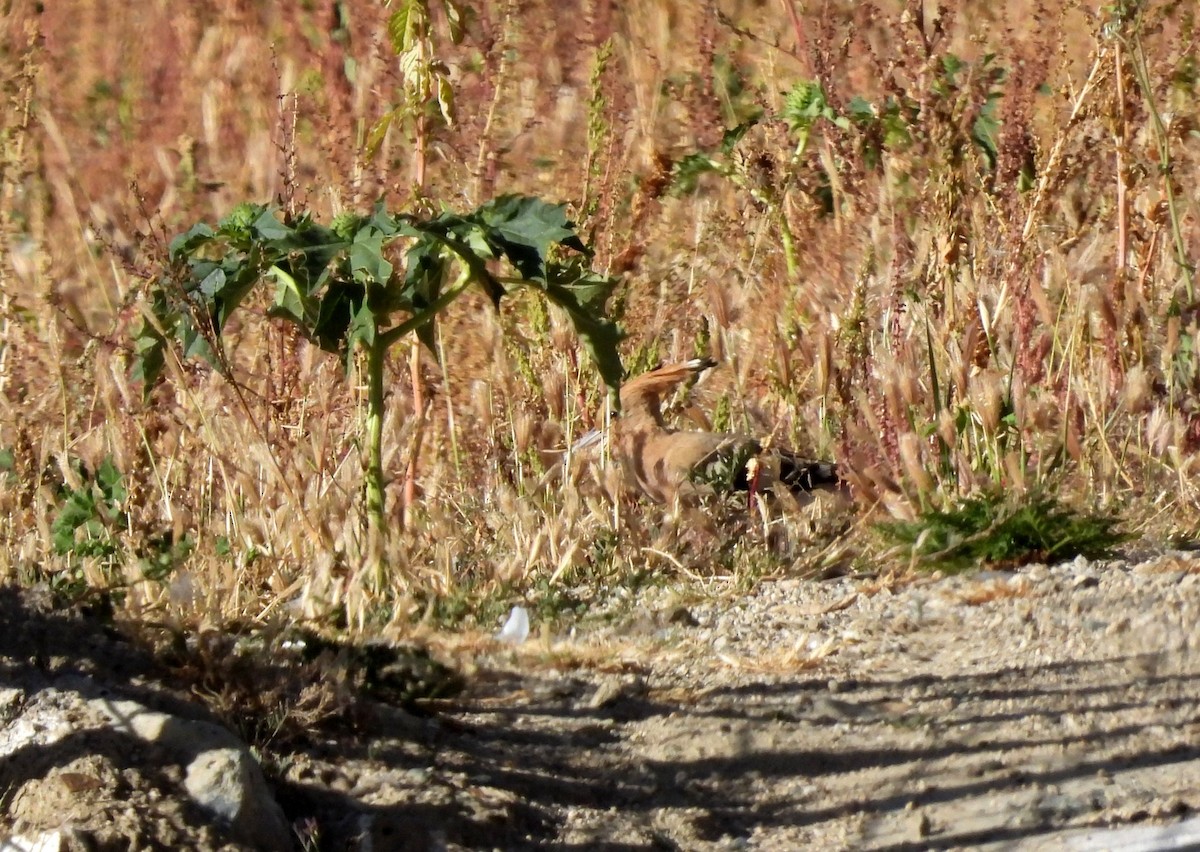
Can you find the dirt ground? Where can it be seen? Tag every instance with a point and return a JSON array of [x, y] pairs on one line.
[[996, 711]]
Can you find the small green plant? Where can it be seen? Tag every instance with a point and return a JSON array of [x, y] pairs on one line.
[[804, 107], [342, 286], [425, 81], [92, 514], [88, 524], [162, 554], [989, 529], [92, 523]]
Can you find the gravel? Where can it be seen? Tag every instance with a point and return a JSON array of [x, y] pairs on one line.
[[1046, 708]]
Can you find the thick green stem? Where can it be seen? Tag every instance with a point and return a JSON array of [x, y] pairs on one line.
[[785, 233], [376, 356], [374, 483], [774, 205]]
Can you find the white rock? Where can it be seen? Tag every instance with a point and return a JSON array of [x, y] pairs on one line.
[[516, 629]]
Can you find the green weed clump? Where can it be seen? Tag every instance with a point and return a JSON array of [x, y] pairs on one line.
[[991, 530]]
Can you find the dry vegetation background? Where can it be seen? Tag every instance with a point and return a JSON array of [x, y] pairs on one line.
[[991, 284]]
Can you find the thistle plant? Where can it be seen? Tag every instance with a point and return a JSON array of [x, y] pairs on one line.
[[342, 287]]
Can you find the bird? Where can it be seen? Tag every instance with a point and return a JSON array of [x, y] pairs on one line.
[[669, 465]]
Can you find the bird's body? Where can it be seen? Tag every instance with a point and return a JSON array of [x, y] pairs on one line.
[[669, 464]]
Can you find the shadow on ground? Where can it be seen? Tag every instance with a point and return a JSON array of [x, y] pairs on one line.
[[526, 761]]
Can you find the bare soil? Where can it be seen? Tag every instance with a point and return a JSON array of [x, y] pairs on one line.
[[995, 711]]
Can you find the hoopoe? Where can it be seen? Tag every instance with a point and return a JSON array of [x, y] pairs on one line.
[[670, 464]]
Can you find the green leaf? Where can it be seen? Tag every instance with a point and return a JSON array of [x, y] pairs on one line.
[[475, 257], [471, 242], [399, 25], [96, 503], [523, 229], [457, 20], [149, 360], [685, 174], [345, 225], [860, 110], [583, 294], [268, 227], [427, 334], [79, 508], [986, 130], [731, 137], [149, 344], [336, 311], [217, 290], [426, 270], [804, 105], [445, 99], [385, 223], [193, 342], [109, 479], [236, 226], [311, 260], [367, 263], [190, 240], [290, 301], [361, 332], [213, 283], [476, 238], [378, 131], [951, 65], [895, 126]]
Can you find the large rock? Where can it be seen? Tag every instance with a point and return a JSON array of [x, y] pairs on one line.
[[102, 772], [220, 773]]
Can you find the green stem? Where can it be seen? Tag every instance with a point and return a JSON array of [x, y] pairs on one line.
[[785, 233], [775, 209], [789, 246], [376, 353], [376, 357], [465, 279]]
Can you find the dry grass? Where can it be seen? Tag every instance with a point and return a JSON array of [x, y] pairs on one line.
[[960, 318]]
